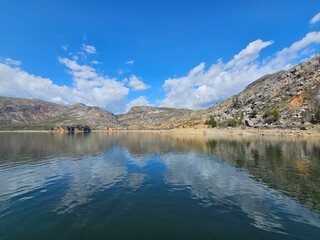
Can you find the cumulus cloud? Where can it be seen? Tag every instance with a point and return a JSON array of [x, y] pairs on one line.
[[201, 88], [249, 54], [12, 62], [89, 49], [89, 87], [140, 101], [29, 86], [137, 84], [98, 90], [130, 62], [285, 58], [315, 19]]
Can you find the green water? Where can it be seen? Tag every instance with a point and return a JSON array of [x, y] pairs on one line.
[[158, 186]]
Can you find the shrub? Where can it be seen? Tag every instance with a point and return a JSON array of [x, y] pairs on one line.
[[241, 117], [253, 114], [271, 116], [235, 103], [315, 117], [211, 122], [232, 122]]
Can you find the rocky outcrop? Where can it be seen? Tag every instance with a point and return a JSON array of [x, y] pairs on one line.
[[78, 128]]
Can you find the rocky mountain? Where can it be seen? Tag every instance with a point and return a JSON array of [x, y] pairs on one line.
[[19, 113], [153, 118], [286, 99]]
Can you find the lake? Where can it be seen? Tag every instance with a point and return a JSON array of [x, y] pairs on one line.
[[158, 186]]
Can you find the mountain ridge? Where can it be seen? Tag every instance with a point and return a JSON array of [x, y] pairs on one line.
[[285, 99]]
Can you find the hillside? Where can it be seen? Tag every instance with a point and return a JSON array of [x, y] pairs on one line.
[[286, 99], [18, 113], [153, 118]]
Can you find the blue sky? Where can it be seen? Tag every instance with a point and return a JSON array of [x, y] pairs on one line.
[[120, 53]]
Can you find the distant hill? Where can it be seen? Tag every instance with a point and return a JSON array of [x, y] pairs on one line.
[[153, 118], [286, 99], [33, 114], [19, 113]]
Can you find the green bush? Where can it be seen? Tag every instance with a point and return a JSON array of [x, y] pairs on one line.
[[271, 116], [235, 103], [232, 122], [211, 122], [241, 117], [315, 117]]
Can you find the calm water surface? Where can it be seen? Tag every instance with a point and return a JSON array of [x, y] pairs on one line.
[[157, 186]]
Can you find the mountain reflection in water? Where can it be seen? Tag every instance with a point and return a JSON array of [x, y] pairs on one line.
[[167, 182]]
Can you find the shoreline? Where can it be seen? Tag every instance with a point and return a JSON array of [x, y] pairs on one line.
[[210, 132], [313, 132]]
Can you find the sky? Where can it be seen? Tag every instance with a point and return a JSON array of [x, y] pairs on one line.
[[116, 54]]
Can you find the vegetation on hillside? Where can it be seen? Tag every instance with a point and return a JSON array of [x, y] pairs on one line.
[[271, 116], [211, 122], [315, 117]]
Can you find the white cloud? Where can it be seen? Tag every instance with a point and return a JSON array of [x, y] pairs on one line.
[[315, 19], [29, 86], [120, 72], [82, 54], [96, 62], [285, 58], [98, 90], [65, 47], [75, 58], [140, 101], [89, 87], [249, 54], [89, 49], [130, 62], [201, 88], [137, 84], [12, 62]]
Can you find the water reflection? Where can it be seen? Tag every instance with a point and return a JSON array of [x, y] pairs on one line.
[[257, 177], [286, 164], [215, 182], [92, 175], [39, 146]]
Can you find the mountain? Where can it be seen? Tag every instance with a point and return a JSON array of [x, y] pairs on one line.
[[19, 113], [286, 99], [153, 118], [33, 114]]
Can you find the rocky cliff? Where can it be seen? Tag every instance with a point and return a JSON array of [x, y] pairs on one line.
[[286, 99]]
